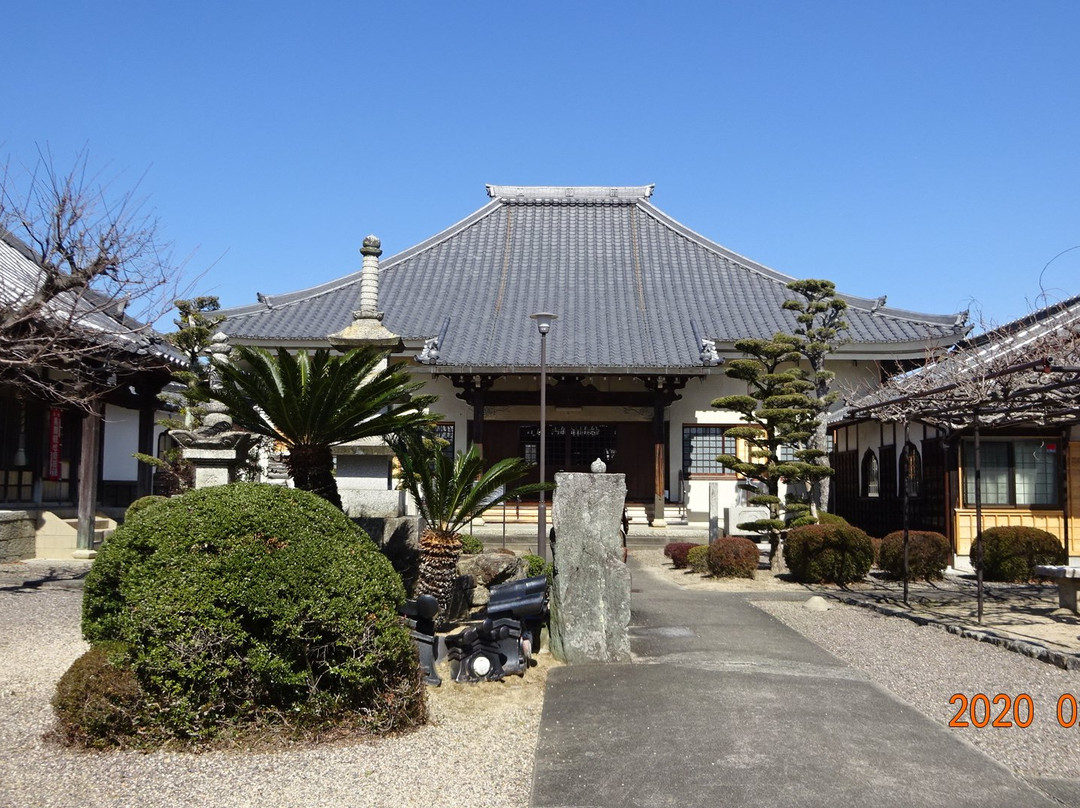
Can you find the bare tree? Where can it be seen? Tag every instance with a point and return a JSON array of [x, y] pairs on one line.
[[1025, 373], [83, 276]]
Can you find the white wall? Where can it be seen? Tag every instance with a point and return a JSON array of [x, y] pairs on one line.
[[120, 438]]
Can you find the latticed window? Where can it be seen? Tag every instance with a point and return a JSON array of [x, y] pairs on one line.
[[701, 445], [871, 477], [1014, 473]]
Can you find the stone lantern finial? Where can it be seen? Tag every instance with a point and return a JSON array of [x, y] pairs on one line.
[[366, 327]]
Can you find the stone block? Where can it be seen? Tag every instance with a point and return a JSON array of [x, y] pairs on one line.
[[17, 539], [590, 597]]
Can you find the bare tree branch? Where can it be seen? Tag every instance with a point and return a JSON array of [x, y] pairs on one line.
[[82, 276]]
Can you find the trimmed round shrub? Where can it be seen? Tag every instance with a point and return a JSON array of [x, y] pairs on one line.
[[97, 699], [247, 607], [732, 557], [679, 550], [928, 555], [537, 566], [828, 553], [143, 502], [698, 559], [1011, 553], [470, 545], [826, 518]]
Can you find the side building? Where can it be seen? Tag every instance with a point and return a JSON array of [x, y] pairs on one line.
[[1008, 399], [53, 451], [648, 311]]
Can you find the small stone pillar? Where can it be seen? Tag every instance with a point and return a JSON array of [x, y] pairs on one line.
[[215, 448], [590, 598], [714, 512]]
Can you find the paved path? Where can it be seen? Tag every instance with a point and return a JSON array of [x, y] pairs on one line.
[[725, 706]]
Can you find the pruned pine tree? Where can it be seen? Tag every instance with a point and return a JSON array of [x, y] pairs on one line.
[[778, 412], [819, 315], [449, 493], [196, 323]]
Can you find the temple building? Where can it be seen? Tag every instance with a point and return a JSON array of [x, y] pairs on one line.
[[648, 311]]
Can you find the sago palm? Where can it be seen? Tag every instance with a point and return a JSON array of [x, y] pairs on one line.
[[449, 494], [310, 403]]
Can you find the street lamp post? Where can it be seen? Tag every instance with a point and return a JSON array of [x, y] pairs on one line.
[[543, 325]]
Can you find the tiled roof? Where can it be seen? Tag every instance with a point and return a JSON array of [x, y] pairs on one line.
[[632, 287], [95, 315]]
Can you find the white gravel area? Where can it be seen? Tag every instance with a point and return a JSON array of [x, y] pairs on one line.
[[926, 667], [478, 752]]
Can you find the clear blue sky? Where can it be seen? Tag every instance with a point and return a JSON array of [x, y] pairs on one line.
[[929, 151]]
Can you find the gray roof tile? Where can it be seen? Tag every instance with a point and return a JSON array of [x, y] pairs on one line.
[[630, 286]]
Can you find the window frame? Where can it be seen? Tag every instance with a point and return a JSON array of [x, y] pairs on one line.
[[724, 472], [870, 468], [1011, 443]]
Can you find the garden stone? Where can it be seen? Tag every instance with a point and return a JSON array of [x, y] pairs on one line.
[[590, 597], [817, 604], [490, 569]]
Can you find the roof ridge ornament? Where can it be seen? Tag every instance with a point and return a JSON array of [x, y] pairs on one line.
[[570, 193]]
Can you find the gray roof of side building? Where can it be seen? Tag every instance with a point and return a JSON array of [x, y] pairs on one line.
[[99, 319], [632, 287]]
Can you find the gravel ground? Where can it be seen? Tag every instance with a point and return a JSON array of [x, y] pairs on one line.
[[478, 752], [926, 666]]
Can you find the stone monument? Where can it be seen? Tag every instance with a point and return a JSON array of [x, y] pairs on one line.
[[590, 597]]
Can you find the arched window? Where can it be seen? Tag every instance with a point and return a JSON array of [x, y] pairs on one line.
[[910, 471], [870, 476]]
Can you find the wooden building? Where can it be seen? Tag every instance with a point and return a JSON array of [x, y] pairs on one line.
[[647, 309], [1015, 393]]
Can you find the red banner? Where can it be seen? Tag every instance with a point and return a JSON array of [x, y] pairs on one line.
[[55, 435]]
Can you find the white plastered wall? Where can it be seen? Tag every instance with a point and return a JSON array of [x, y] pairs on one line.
[[695, 407], [120, 438]]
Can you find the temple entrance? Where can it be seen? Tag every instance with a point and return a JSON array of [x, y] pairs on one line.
[[626, 448]]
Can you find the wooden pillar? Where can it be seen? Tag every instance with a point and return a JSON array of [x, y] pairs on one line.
[[144, 485], [89, 469], [478, 418]]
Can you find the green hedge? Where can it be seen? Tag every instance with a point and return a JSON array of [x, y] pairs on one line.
[[697, 559], [470, 545], [828, 553], [731, 557], [246, 606], [928, 555], [1011, 553]]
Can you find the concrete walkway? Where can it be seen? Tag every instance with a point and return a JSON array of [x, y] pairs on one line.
[[725, 706]]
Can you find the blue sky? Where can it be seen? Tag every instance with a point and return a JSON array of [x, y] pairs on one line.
[[929, 151]]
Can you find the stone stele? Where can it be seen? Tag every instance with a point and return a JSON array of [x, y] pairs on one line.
[[590, 599]]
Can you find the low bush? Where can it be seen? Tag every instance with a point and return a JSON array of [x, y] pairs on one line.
[[143, 502], [679, 552], [928, 555], [537, 566], [698, 559], [250, 607], [731, 557], [97, 699], [826, 518], [470, 545], [828, 553], [1011, 553]]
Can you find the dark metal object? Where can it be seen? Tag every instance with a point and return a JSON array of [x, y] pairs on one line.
[[419, 616], [503, 643]]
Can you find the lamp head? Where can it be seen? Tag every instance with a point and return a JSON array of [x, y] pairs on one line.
[[543, 321]]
